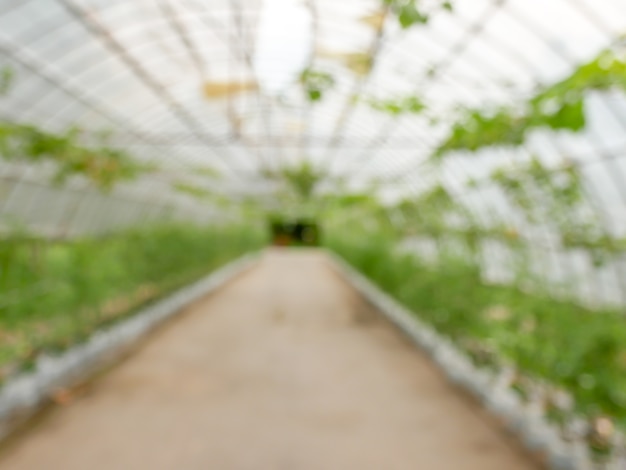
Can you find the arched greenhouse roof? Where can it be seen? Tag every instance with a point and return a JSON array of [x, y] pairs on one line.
[[455, 165], [487, 105]]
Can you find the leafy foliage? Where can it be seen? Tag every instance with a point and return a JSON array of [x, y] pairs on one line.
[[315, 83], [579, 350], [206, 195], [302, 179], [411, 13], [554, 197], [507, 127], [427, 212], [558, 107], [398, 106], [605, 72], [349, 201], [550, 195], [103, 166]]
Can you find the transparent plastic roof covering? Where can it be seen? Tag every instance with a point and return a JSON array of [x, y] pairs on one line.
[[215, 83]]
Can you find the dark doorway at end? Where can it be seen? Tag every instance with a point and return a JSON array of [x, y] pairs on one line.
[[294, 233]]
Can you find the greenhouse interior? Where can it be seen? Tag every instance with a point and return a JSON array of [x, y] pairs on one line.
[[312, 234]]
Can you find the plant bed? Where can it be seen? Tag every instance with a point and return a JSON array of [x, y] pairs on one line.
[[552, 369], [55, 294], [53, 376]]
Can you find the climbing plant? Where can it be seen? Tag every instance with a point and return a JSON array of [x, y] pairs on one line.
[[103, 165], [6, 79], [411, 12], [436, 214], [303, 179], [57, 293], [427, 212], [552, 345], [315, 83], [554, 197], [541, 193], [559, 106]]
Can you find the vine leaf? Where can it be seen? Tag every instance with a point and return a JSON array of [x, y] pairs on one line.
[[316, 83], [409, 15]]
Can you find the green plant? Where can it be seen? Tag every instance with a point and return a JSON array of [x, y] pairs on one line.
[[559, 106], [576, 349], [303, 179], [315, 83], [435, 213], [55, 294], [104, 166], [553, 197]]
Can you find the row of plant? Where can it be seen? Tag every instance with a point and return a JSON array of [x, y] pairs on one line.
[[569, 359], [577, 356], [552, 198], [55, 294]]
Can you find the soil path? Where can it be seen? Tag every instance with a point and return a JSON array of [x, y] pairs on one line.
[[286, 368]]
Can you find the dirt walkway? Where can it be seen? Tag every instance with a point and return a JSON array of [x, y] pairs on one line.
[[286, 368]]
